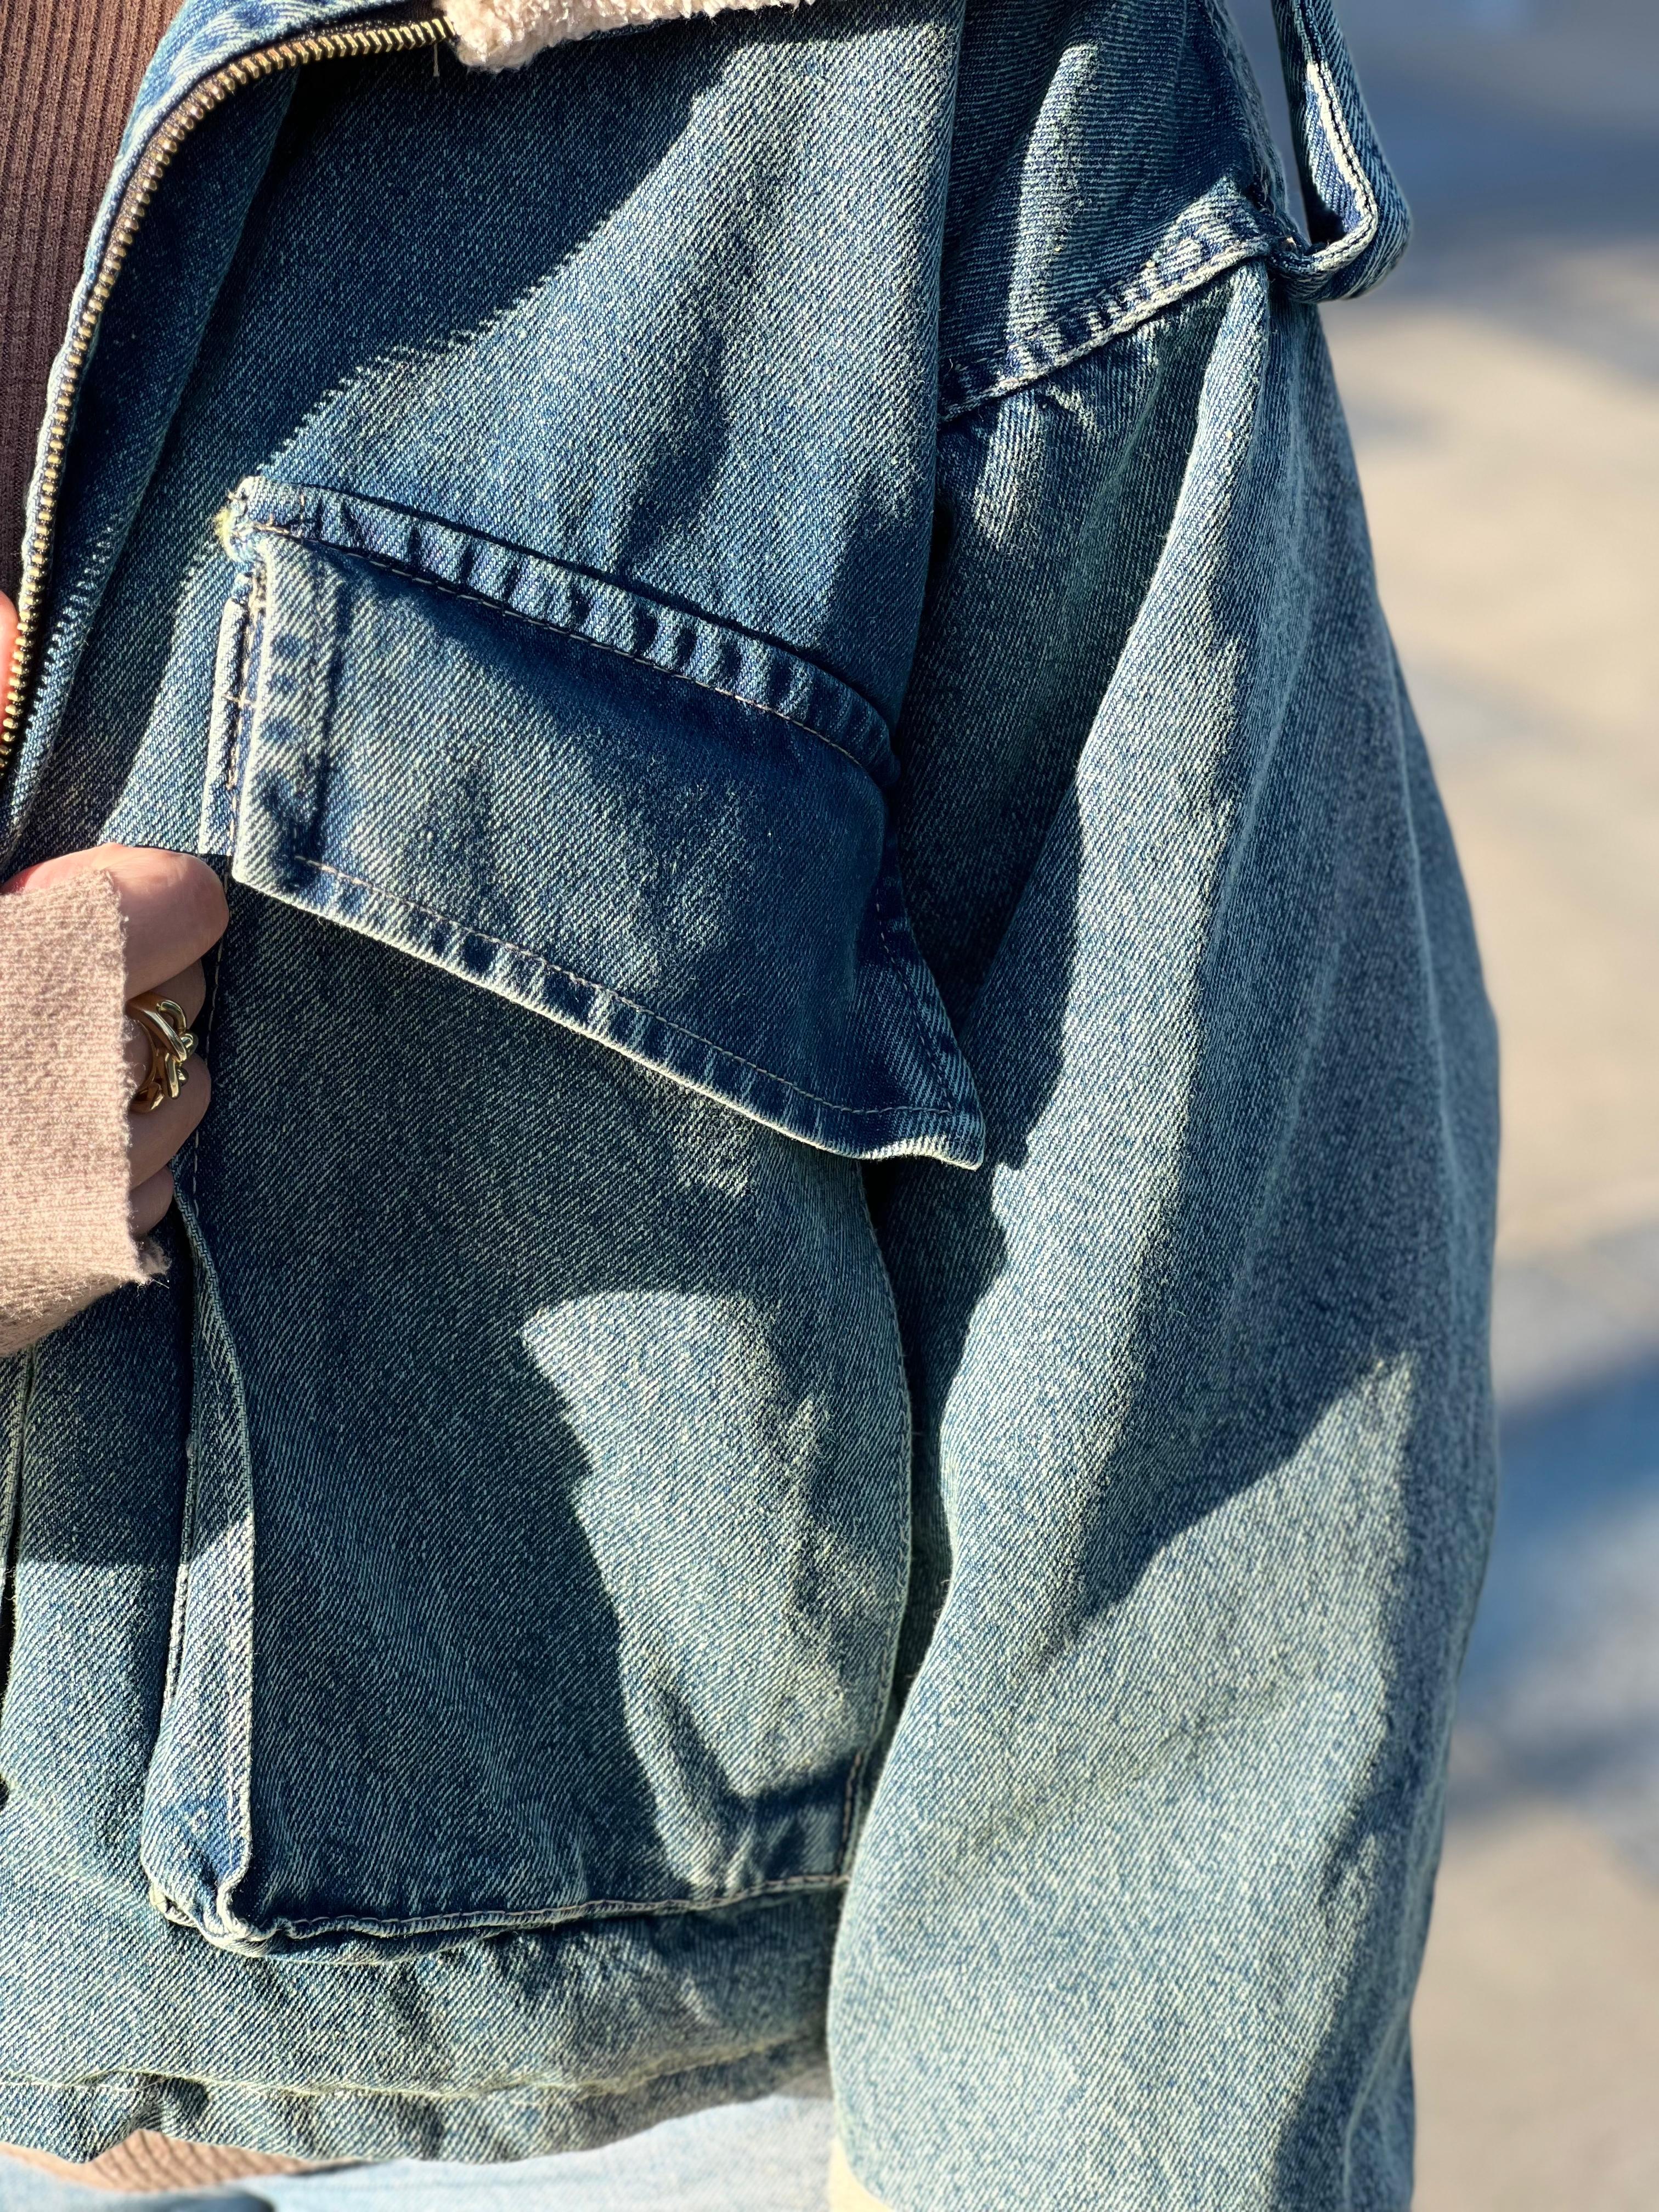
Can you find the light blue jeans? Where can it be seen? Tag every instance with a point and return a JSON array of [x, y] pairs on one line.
[[823, 1384], [772, 2155]]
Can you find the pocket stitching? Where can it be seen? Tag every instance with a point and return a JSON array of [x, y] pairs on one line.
[[945, 1116], [431, 583], [310, 532]]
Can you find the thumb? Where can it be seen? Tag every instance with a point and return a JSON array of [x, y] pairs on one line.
[[7, 640]]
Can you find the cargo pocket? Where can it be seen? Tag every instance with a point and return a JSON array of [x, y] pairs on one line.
[[657, 830], [549, 1536]]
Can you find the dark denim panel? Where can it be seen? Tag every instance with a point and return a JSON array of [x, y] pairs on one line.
[[692, 346], [590, 308], [97, 1486], [148, 336], [548, 1542], [54, 796]]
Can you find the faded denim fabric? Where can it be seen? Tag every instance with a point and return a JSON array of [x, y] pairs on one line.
[[826, 1352]]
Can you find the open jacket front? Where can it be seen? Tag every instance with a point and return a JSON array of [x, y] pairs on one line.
[[853, 1120]]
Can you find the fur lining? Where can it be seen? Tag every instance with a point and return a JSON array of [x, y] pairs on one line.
[[499, 34]]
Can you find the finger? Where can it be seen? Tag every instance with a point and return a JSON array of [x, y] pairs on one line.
[[173, 903], [175, 909], [153, 1138], [7, 641], [188, 991], [149, 1203]]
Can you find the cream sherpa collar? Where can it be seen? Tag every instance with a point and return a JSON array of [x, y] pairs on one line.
[[502, 33]]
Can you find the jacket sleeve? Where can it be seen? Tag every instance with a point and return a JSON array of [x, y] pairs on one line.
[[1203, 1464], [64, 1238]]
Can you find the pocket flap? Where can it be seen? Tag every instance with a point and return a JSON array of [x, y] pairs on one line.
[[659, 831]]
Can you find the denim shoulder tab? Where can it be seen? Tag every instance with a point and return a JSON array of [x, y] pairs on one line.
[[1358, 224]]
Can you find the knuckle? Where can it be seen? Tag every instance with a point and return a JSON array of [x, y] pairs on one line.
[[209, 896]]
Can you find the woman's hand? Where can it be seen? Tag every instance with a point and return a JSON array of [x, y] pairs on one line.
[[174, 910]]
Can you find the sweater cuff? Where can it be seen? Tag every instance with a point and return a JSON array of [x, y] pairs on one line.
[[65, 1237]]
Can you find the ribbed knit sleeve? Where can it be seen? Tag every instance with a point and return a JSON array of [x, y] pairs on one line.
[[64, 1235], [69, 70]]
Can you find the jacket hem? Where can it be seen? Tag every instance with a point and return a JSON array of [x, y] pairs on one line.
[[484, 2125], [507, 2048]]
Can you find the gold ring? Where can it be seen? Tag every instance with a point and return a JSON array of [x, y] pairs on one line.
[[170, 1044]]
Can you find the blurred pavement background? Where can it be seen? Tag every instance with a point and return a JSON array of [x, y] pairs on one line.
[[1503, 390]]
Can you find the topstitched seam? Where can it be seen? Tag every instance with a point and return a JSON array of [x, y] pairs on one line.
[[1088, 328], [928, 1114], [930, 1043], [1344, 250], [546, 1916], [429, 583]]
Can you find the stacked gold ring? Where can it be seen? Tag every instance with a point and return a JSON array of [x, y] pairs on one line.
[[170, 1044]]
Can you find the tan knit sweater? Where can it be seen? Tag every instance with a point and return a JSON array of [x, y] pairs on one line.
[[69, 70], [64, 1234]]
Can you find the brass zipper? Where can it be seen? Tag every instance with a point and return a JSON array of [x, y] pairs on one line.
[[212, 92]]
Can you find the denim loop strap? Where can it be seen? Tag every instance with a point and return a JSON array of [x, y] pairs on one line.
[[1359, 224]]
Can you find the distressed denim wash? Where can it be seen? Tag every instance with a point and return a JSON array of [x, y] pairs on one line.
[[824, 1365]]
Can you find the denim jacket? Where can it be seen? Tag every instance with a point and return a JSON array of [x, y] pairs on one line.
[[823, 1368]]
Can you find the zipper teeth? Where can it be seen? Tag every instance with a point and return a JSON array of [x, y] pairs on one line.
[[212, 92]]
